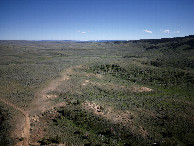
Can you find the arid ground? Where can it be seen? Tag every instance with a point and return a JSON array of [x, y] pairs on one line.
[[97, 93]]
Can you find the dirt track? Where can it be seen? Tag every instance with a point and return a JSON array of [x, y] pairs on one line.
[[26, 131], [39, 105]]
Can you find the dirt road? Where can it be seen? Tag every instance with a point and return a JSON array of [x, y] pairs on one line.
[[26, 131], [40, 104]]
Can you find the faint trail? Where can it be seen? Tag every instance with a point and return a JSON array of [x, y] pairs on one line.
[[26, 132], [42, 101]]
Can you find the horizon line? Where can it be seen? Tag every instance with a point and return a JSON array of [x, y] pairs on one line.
[[96, 40]]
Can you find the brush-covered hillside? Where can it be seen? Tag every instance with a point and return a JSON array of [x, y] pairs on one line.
[[97, 93]]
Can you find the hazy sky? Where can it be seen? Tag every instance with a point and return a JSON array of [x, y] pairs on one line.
[[95, 19]]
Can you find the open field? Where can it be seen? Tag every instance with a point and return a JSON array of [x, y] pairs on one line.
[[97, 93]]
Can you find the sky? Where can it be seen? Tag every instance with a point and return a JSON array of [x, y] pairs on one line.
[[95, 19]]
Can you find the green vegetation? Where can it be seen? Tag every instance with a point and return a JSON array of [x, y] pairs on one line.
[[135, 92], [90, 129], [5, 126]]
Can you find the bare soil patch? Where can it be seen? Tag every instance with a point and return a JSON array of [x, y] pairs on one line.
[[141, 89], [42, 103], [26, 129], [125, 118], [42, 98], [111, 86]]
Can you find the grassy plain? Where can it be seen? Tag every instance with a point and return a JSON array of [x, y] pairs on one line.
[[99, 93]]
